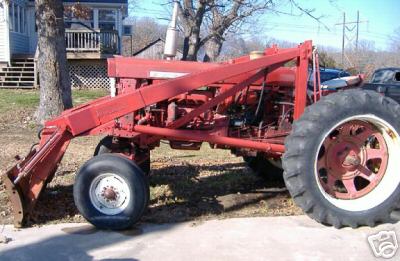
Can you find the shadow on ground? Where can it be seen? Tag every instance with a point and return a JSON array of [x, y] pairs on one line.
[[184, 193], [187, 193], [229, 187], [75, 244]]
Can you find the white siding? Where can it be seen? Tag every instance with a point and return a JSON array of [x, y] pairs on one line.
[[4, 50], [32, 34], [3, 43], [19, 40], [20, 43]]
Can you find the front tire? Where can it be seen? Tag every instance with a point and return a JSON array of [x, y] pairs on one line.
[[111, 192], [265, 168], [341, 163], [106, 145]]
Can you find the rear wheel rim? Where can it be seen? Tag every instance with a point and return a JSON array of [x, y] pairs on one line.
[[353, 168], [109, 194]]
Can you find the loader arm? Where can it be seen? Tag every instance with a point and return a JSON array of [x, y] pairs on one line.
[[25, 181]]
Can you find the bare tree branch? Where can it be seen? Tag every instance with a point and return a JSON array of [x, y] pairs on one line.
[[208, 22], [310, 12], [395, 40]]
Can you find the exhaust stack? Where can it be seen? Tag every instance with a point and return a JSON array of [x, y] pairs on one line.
[[171, 37]]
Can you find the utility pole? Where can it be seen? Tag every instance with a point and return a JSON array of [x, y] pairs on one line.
[[348, 35], [358, 22], [343, 36]]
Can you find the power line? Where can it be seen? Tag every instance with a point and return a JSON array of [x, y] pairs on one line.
[[142, 10], [348, 37], [291, 30], [292, 25]]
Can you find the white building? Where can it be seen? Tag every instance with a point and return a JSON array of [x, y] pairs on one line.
[[89, 41]]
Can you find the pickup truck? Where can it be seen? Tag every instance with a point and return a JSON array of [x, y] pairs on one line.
[[387, 82]]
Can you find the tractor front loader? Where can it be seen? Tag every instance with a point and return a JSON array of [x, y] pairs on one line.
[[337, 149]]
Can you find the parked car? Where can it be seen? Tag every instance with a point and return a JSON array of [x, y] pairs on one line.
[[386, 81], [327, 74]]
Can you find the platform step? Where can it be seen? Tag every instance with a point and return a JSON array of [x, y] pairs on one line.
[[18, 69], [23, 64], [10, 77], [11, 73], [6, 85], [21, 73], [16, 87]]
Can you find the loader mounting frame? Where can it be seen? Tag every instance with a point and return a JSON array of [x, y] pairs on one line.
[[140, 86]]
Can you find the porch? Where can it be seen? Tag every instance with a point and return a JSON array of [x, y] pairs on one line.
[[91, 43], [89, 40]]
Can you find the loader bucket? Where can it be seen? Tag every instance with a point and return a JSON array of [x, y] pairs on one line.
[[26, 180]]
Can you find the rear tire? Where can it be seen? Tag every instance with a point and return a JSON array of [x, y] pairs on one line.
[[341, 163], [111, 192]]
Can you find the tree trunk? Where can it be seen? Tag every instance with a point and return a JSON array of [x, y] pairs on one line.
[[213, 49], [194, 42], [55, 86], [191, 45], [185, 49]]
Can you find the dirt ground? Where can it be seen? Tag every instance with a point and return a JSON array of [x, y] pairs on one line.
[[185, 185]]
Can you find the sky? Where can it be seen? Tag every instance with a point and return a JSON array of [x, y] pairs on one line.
[[379, 20]]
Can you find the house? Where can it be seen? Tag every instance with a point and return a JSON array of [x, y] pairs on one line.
[[89, 41], [153, 50]]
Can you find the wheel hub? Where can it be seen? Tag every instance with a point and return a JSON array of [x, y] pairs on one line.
[[109, 194], [352, 160], [344, 157]]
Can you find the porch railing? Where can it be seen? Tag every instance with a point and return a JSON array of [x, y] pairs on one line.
[[85, 40]]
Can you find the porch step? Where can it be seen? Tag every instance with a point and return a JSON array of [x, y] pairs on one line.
[[22, 56], [19, 81], [18, 69], [16, 79], [23, 64], [20, 75], [24, 85], [31, 59]]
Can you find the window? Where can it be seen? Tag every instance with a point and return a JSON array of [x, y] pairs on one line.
[[127, 30], [397, 77], [378, 75], [381, 76], [11, 16], [17, 19], [107, 19], [85, 19], [21, 12], [326, 76]]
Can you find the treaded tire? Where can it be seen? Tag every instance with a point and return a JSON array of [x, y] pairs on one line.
[[123, 168], [302, 146], [264, 168], [106, 146]]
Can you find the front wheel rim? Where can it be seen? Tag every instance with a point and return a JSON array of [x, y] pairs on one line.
[[109, 194], [353, 168]]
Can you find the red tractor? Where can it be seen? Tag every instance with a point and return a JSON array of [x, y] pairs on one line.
[[338, 150]]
